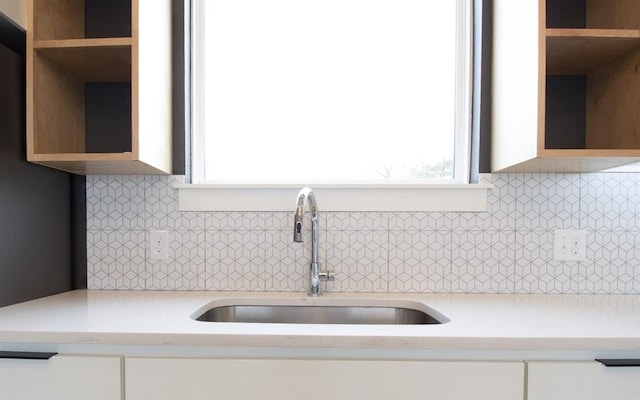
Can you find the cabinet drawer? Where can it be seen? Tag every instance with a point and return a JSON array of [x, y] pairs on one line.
[[165, 378], [582, 380], [61, 377]]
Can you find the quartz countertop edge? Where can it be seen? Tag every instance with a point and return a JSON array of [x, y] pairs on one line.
[[477, 322]]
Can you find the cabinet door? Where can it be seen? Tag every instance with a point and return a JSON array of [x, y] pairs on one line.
[[61, 377], [164, 378], [588, 380]]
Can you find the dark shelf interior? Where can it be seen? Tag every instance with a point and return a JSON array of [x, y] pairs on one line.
[[103, 19], [566, 14], [108, 117], [565, 118]]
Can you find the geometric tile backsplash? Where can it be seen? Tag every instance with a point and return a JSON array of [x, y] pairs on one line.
[[506, 250]]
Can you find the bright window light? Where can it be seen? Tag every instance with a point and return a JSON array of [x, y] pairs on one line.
[[331, 91]]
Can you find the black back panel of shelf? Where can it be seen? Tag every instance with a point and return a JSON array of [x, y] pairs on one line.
[[110, 18], [108, 117], [565, 122], [566, 14]]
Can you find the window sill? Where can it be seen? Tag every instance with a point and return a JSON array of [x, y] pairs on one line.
[[281, 197]]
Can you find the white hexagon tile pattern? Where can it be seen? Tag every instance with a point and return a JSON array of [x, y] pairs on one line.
[[508, 249]]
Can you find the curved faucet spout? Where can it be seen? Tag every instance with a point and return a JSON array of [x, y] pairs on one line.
[[306, 196]]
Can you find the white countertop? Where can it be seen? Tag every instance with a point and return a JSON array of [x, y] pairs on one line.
[[477, 322]]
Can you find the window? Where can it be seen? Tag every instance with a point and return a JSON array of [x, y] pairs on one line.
[[366, 101], [366, 91]]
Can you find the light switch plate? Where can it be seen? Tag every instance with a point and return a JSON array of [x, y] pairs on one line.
[[570, 245]]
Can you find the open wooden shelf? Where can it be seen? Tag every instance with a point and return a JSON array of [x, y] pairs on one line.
[[580, 51], [575, 83], [103, 60], [93, 105]]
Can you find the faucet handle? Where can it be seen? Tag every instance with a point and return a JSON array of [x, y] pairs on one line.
[[327, 276]]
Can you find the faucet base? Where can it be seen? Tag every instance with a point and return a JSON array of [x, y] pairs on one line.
[[318, 276]]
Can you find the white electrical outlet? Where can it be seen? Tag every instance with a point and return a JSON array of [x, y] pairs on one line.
[[159, 245], [570, 245]]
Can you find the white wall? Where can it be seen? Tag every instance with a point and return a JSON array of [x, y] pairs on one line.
[[16, 10]]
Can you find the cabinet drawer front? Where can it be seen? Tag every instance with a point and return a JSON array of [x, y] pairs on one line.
[[163, 378], [582, 380], [61, 377]]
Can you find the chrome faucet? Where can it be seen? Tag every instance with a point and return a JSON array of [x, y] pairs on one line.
[[306, 196]]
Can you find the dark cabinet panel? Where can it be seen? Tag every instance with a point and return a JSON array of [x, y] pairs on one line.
[[35, 211]]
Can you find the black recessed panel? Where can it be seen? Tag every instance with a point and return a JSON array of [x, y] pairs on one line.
[[108, 117], [34, 202], [566, 14], [565, 122], [107, 18]]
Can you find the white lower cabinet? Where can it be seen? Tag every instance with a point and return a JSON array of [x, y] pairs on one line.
[[62, 377], [205, 378], [583, 380]]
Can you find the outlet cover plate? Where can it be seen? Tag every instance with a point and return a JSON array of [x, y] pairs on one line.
[[159, 245], [570, 245]]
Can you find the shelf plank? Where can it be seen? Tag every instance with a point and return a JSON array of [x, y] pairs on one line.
[[116, 167], [576, 161], [82, 157], [580, 51], [595, 153], [91, 42], [92, 60], [96, 163]]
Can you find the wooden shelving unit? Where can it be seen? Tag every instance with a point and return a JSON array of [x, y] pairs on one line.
[[578, 92], [94, 104]]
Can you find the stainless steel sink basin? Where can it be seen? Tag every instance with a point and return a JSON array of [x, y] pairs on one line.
[[376, 314]]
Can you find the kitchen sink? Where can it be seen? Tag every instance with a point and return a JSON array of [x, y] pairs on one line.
[[371, 313]]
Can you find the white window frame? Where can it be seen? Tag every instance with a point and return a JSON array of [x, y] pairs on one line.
[[353, 195]]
